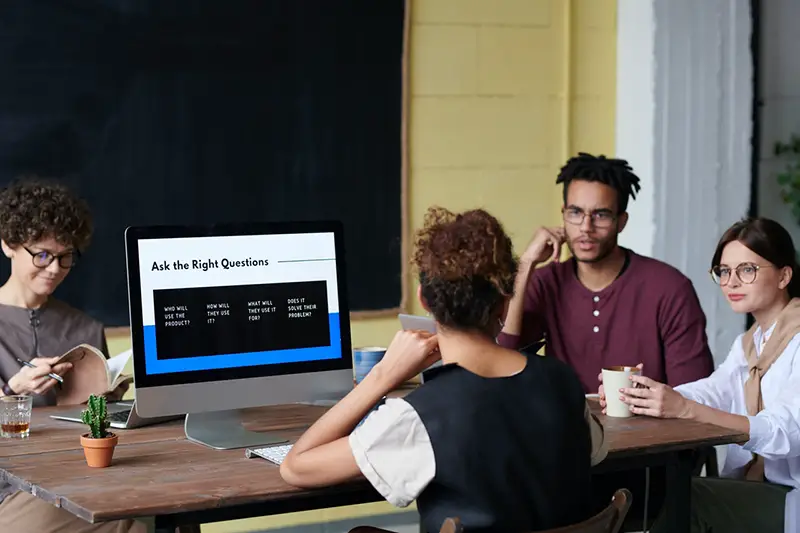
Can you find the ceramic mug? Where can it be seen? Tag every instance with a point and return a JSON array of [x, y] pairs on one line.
[[615, 378], [364, 359]]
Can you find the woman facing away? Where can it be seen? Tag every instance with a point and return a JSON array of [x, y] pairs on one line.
[[43, 228], [503, 441], [756, 390]]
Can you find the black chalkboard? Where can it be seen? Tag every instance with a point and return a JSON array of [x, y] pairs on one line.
[[206, 111]]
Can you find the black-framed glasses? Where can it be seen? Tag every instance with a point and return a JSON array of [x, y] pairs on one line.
[[43, 259], [746, 272], [602, 218]]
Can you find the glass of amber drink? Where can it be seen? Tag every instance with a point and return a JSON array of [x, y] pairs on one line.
[[15, 416]]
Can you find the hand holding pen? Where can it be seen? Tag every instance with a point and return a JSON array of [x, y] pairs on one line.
[[38, 375]]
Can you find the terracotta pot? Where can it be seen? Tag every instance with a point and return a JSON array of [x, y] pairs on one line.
[[98, 452]]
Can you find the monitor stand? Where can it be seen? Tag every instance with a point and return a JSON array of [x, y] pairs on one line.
[[223, 430]]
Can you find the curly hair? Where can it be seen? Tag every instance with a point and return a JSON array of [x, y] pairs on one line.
[[466, 267], [32, 209]]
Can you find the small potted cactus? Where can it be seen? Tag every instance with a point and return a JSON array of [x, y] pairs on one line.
[[98, 444]]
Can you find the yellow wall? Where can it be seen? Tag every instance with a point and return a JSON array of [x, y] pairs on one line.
[[502, 93]]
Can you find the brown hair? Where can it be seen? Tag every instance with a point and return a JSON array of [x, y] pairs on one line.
[[768, 239], [466, 268], [32, 209]]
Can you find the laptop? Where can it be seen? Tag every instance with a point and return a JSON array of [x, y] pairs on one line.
[[121, 415]]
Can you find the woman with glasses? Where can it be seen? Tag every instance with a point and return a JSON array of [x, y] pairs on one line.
[[43, 228], [756, 390]]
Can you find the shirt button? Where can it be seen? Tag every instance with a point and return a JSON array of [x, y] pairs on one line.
[[596, 312], [596, 298], [595, 329]]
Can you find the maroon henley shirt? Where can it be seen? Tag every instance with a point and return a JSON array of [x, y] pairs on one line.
[[650, 314]]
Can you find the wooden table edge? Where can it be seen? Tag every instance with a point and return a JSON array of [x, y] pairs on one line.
[[291, 501], [47, 496], [722, 440]]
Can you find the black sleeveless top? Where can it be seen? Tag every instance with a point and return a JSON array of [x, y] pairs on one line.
[[512, 454]]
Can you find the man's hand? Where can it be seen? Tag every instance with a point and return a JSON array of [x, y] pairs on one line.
[[545, 244]]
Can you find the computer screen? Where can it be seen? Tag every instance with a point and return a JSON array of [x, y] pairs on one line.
[[217, 310]]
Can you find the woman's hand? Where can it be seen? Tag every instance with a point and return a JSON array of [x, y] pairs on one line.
[[655, 399], [36, 380], [410, 353]]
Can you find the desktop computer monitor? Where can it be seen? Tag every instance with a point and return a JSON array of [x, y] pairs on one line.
[[226, 317]]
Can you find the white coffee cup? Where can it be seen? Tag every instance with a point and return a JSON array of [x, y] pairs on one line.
[[614, 379]]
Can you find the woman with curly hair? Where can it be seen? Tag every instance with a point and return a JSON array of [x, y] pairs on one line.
[[493, 436], [43, 229]]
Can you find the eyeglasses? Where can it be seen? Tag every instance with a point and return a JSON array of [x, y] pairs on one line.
[[600, 218], [44, 258], [746, 272]]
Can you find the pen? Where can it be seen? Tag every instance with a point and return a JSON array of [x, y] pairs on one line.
[[31, 365]]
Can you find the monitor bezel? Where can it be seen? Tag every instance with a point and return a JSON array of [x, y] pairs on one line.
[[134, 234]]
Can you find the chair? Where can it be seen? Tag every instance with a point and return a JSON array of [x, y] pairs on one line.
[[608, 520]]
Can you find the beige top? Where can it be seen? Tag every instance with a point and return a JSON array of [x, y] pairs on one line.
[[50, 331], [786, 327]]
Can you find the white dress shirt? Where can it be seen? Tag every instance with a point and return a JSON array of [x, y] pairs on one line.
[[775, 431], [393, 450]]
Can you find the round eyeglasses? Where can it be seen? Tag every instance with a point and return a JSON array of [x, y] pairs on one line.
[[600, 218], [746, 272], [43, 259]]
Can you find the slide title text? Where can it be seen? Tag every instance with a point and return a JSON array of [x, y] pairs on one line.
[[208, 264]]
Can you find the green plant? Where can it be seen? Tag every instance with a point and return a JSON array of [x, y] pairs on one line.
[[95, 415], [789, 179]]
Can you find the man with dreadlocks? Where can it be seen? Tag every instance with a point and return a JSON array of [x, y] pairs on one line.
[[606, 305]]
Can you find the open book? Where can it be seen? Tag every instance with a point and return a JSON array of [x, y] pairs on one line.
[[91, 373]]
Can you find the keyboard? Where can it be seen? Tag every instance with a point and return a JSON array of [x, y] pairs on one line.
[[275, 454], [119, 416]]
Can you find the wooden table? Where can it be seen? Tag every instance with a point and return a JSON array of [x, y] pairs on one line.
[[158, 473]]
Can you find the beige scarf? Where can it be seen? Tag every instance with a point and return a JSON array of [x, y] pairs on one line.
[[787, 325]]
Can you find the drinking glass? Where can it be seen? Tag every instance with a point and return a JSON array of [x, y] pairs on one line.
[[15, 416]]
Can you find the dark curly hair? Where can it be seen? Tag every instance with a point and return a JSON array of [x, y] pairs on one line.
[[466, 268], [32, 209]]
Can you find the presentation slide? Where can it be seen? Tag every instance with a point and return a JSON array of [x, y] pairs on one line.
[[225, 302]]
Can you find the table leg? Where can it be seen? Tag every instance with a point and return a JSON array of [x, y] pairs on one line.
[[678, 497]]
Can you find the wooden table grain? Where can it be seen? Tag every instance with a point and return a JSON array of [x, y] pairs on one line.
[[640, 435], [157, 472]]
